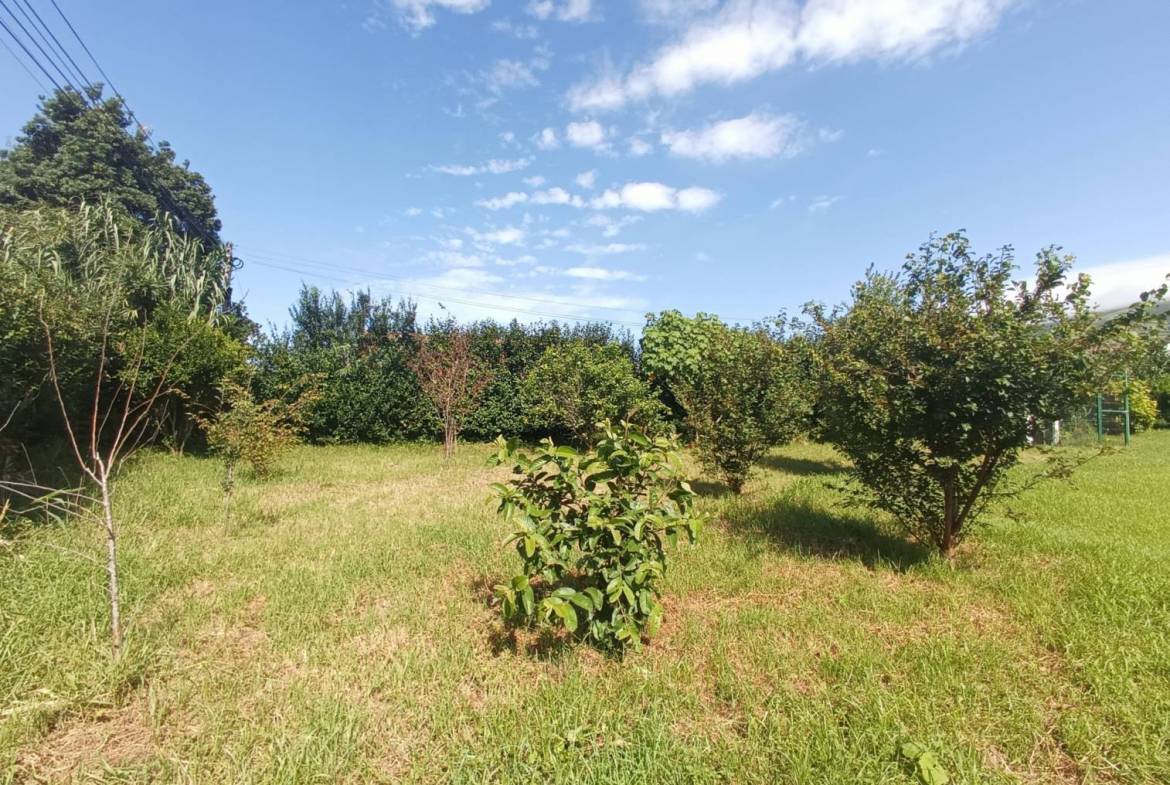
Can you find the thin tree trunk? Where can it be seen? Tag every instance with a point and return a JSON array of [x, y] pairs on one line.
[[950, 518], [112, 567], [448, 440]]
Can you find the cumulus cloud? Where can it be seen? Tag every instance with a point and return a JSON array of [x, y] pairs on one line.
[[607, 249], [510, 199], [754, 136], [639, 147], [507, 236], [557, 196], [494, 166], [672, 11], [547, 139], [741, 42], [523, 32], [611, 227], [1119, 284], [509, 75], [562, 10], [585, 134], [651, 197], [535, 181], [641, 196], [587, 179], [745, 39], [603, 274], [418, 15], [849, 30], [413, 212]]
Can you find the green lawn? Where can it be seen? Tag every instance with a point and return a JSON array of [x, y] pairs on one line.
[[338, 630]]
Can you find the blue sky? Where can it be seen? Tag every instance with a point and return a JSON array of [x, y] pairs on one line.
[[581, 158]]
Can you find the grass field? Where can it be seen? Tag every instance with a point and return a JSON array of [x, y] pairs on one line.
[[339, 630]]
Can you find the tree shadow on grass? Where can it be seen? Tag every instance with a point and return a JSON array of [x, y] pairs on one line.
[[710, 488], [801, 467], [833, 533], [521, 639]]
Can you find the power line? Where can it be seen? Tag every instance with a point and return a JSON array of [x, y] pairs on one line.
[[52, 61], [291, 259], [97, 65], [29, 54], [287, 258], [23, 65], [172, 205], [76, 69]]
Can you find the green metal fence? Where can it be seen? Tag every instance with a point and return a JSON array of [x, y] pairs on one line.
[[1105, 418]]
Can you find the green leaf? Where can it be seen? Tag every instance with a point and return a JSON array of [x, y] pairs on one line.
[[568, 615]]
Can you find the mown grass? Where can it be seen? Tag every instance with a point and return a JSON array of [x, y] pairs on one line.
[[338, 629]]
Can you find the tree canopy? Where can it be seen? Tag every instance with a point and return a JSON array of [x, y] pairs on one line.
[[85, 149], [931, 378]]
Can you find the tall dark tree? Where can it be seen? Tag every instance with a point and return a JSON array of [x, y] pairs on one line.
[[77, 150]]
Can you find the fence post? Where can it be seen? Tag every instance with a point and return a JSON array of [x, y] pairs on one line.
[[1125, 401], [1100, 420]]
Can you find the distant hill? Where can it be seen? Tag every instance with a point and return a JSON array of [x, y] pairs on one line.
[[1163, 307]]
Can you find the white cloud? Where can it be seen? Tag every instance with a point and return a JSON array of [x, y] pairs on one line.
[[780, 201], [413, 211], [547, 139], [510, 199], [587, 179], [585, 134], [509, 75], [565, 10], [494, 166], [507, 236], [849, 30], [672, 11], [523, 32], [741, 42], [418, 15], [1119, 284], [535, 181], [473, 293], [822, 203], [652, 197], [747, 38], [696, 200], [639, 147], [557, 195], [611, 227], [455, 259], [603, 274], [518, 261], [606, 250], [753, 136]]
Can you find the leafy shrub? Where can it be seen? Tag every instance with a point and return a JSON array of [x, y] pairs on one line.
[[930, 376], [58, 268], [1143, 406], [253, 432], [1161, 393], [741, 390], [575, 385], [590, 529]]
